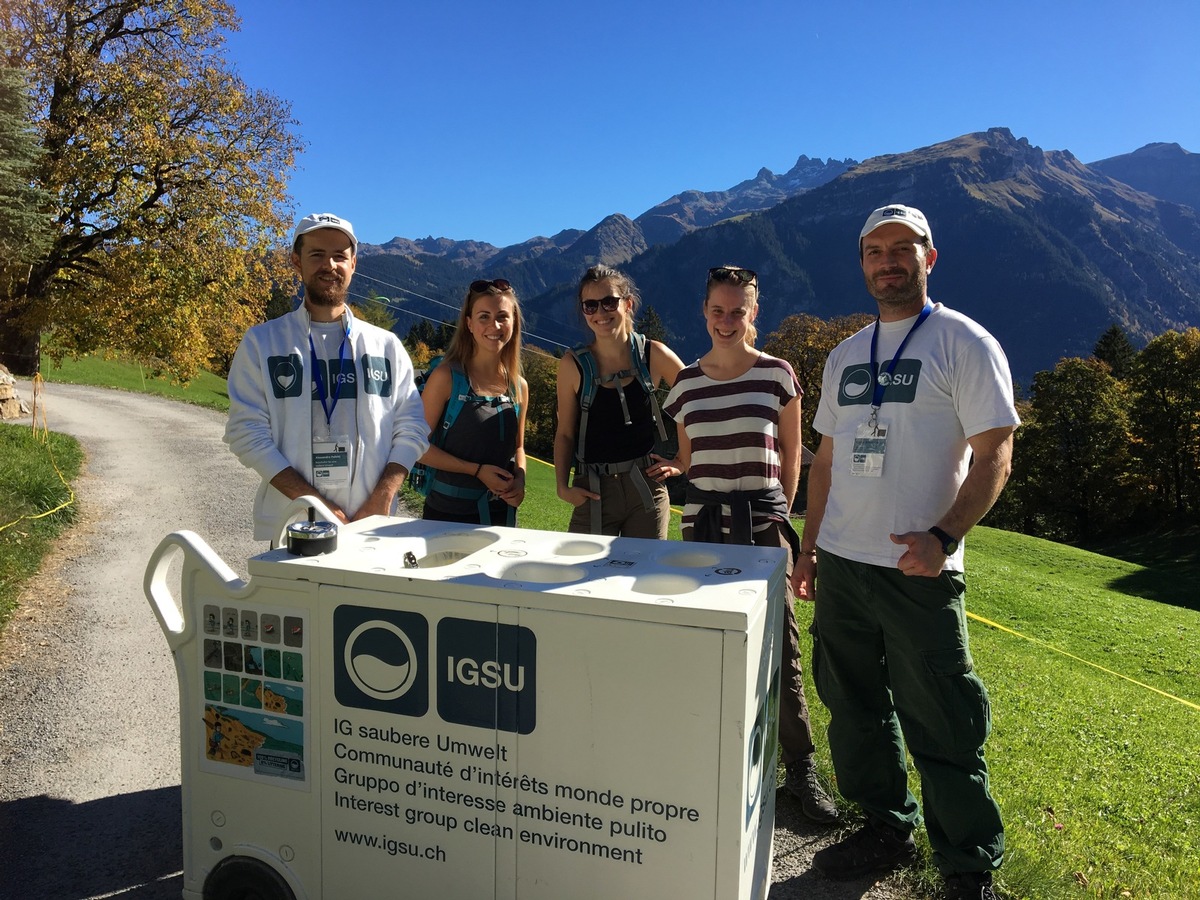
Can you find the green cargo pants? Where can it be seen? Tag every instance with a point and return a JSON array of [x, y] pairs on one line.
[[892, 664]]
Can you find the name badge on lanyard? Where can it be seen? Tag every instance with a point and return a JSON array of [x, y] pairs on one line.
[[870, 438], [331, 464], [870, 446], [332, 456]]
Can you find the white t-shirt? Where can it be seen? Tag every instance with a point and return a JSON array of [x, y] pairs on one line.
[[951, 383], [327, 341]]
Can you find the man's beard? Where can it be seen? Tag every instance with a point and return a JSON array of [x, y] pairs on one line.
[[910, 292], [326, 295]]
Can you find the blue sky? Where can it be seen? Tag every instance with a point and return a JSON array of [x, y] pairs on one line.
[[498, 121]]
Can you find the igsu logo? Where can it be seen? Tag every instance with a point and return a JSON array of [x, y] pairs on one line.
[[487, 675], [857, 385], [372, 675], [286, 375], [381, 660], [377, 375]]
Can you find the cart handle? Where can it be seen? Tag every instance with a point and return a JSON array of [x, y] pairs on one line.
[[167, 609]]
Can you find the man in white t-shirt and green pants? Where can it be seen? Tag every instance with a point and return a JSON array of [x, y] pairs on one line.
[[916, 421]]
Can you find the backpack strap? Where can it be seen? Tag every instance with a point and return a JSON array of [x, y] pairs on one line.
[[427, 481], [422, 477], [639, 349], [589, 379], [460, 392]]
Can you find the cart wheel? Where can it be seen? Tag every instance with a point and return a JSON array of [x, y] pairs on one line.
[[243, 878]]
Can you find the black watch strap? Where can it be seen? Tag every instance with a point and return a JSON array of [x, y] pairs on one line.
[[949, 544]]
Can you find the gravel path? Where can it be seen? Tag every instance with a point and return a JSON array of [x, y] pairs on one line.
[[89, 730]]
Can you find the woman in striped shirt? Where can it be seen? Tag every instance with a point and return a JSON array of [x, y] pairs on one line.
[[739, 442]]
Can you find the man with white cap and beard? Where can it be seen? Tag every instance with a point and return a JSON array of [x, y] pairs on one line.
[[321, 403], [916, 421]]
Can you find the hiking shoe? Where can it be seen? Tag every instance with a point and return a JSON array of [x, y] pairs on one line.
[[873, 848], [969, 886], [802, 783]]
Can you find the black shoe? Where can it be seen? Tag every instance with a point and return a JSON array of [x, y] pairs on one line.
[[873, 848], [803, 784], [969, 886]]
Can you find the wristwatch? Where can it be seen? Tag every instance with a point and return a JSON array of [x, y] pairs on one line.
[[949, 544]]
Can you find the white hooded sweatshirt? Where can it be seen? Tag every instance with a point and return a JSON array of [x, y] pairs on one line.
[[271, 399]]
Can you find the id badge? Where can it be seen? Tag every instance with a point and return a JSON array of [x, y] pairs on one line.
[[870, 445], [331, 462]]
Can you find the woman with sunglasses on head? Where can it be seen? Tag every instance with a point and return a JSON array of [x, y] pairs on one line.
[[608, 417], [476, 456], [738, 412]]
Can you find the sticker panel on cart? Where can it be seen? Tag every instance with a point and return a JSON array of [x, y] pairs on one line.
[[255, 663]]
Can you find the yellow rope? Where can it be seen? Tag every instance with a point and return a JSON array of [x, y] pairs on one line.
[[1086, 662]]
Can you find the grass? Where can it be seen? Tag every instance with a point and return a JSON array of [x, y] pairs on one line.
[[1095, 774], [106, 370], [1092, 665], [36, 504], [1076, 744]]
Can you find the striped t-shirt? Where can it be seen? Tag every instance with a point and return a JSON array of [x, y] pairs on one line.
[[733, 427]]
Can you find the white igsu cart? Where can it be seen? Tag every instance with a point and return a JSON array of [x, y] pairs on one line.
[[522, 714]]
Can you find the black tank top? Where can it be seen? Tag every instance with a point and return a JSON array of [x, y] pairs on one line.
[[609, 439], [485, 431]]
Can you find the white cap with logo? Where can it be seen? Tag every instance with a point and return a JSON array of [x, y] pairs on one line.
[[904, 215], [325, 220]]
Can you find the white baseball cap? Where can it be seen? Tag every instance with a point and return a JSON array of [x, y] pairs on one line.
[[905, 215], [325, 220]]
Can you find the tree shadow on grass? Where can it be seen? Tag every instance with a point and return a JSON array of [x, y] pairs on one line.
[[1171, 560], [127, 846], [1180, 588]]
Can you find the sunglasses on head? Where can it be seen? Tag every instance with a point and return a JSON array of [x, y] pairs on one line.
[[610, 304], [732, 273], [482, 286]]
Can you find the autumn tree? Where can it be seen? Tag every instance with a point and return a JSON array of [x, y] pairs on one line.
[[436, 338], [1073, 474], [167, 175], [281, 301], [1166, 415], [806, 341], [420, 354]]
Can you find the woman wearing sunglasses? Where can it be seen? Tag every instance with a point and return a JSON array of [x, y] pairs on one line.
[[477, 463], [608, 416], [738, 412]]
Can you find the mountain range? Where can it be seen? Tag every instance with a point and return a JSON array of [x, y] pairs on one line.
[[1043, 250]]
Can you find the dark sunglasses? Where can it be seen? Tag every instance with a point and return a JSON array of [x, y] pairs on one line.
[[482, 287], [610, 304], [732, 273]]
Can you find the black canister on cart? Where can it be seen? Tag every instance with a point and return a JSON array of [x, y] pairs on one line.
[[311, 538]]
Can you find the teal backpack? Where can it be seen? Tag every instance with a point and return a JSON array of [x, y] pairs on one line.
[[592, 380], [422, 478]]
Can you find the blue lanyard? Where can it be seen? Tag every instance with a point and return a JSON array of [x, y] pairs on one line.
[[316, 364], [880, 387]]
